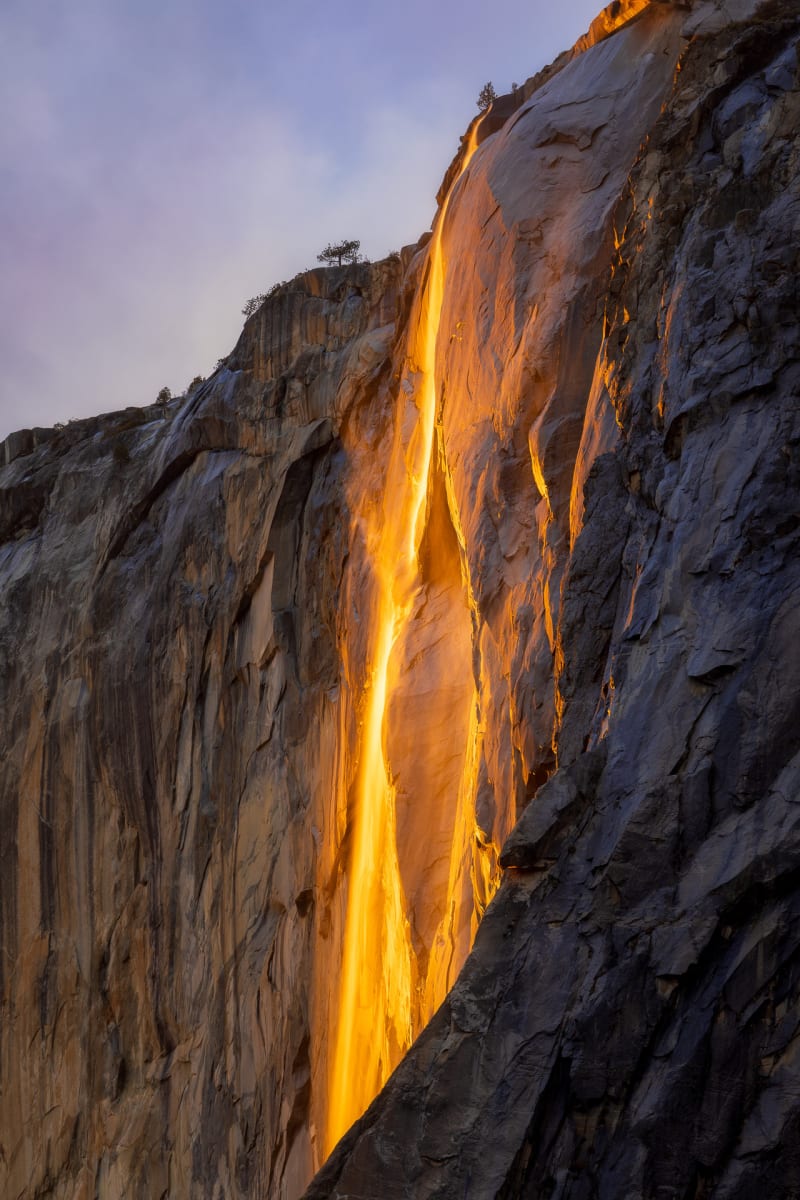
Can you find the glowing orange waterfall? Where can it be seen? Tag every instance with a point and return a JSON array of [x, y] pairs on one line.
[[380, 1007]]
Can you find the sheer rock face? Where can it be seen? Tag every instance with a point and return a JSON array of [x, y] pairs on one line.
[[170, 581], [617, 475], [627, 1023]]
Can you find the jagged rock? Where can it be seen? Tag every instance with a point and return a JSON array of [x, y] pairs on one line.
[[604, 633], [626, 1023], [170, 582]]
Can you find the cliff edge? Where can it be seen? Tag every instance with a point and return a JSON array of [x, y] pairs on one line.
[[571, 660]]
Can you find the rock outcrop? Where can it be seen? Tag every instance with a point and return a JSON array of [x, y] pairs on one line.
[[627, 1023], [170, 580], [598, 673]]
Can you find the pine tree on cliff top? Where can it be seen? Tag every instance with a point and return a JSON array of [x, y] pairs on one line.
[[339, 252]]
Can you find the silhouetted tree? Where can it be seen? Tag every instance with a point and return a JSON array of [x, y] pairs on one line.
[[164, 396], [339, 252], [254, 303], [486, 96]]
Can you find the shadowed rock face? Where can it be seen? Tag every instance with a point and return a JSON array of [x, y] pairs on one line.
[[627, 1023], [615, 510], [170, 583]]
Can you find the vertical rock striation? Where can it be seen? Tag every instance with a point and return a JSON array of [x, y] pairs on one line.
[[599, 674], [626, 1024], [170, 669]]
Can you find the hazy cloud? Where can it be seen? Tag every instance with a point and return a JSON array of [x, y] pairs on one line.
[[165, 162]]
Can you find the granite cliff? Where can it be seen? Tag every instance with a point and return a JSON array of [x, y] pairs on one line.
[[472, 573]]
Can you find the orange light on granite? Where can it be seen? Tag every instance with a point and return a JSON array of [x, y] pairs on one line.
[[375, 1021], [474, 877], [612, 18]]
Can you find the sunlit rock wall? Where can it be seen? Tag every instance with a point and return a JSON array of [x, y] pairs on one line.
[[170, 674], [621, 425], [603, 645]]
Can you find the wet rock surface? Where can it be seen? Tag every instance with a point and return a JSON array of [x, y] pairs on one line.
[[170, 583], [610, 570], [626, 1024]]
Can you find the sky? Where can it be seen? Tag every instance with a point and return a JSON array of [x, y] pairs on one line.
[[161, 161]]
